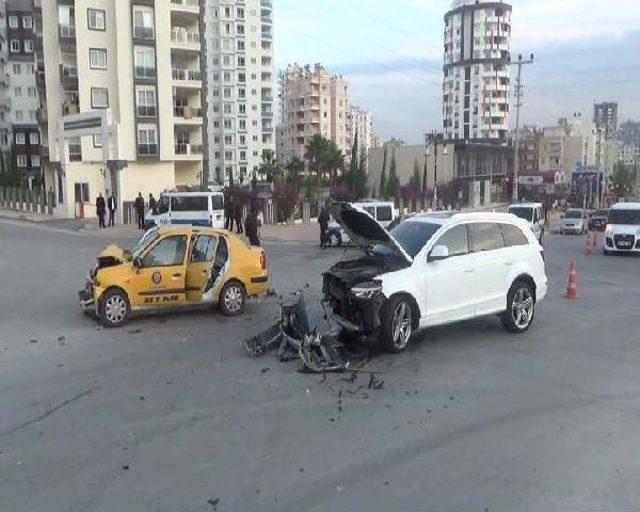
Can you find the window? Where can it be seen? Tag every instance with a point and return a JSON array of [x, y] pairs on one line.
[[21, 160], [13, 22], [97, 140], [486, 236], [34, 138], [99, 97], [98, 58], [28, 46], [96, 19], [513, 235], [19, 115], [203, 249], [189, 203], [17, 69], [168, 252], [31, 92], [384, 214], [81, 192], [27, 22], [143, 22], [145, 62], [35, 161], [17, 92], [456, 241], [147, 140], [20, 138], [15, 46], [146, 102]]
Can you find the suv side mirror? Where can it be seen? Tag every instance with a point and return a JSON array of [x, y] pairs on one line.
[[439, 252], [137, 262]]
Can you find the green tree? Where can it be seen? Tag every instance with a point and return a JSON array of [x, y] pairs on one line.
[[359, 177], [324, 158], [415, 177], [393, 184], [269, 168], [622, 179], [295, 168], [10, 175], [382, 189]]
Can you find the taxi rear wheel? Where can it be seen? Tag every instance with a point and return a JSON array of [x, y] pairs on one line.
[[233, 298], [114, 308]]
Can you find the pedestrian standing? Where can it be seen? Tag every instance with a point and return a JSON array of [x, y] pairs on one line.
[[237, 213], [251, 228], [111, 206], [100, 209], [323, 220], [139, 207], [228, 212], [152, 203]]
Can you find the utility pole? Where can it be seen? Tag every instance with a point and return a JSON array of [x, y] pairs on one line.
[[518, 95], [432, 140]]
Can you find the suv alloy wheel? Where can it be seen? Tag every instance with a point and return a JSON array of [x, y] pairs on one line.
[[397, 324], [520, 308]]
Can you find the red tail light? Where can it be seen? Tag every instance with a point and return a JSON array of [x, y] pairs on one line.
[[263, 260]]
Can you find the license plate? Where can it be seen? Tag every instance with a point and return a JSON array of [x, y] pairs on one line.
[[624, 244]]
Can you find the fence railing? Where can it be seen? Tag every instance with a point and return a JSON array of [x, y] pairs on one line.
[[25, 200]]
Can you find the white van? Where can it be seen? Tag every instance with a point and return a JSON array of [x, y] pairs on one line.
[[533, 213], [622, 233], [195, 208], [382, 211]]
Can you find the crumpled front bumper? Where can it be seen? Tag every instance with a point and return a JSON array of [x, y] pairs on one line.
[[85, 298]]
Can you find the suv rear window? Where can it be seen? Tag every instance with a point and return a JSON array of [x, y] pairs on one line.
[[513, 235], [624, 216], [486, 236], [189, 203]]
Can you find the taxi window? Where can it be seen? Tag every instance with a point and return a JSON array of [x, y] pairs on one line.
[[203, 249], [168, 252]]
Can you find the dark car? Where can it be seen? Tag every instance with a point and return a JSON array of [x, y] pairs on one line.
[[598, 221]]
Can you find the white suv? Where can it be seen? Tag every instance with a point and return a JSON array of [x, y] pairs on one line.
[[623, 229], [533, 213], [433, 270]]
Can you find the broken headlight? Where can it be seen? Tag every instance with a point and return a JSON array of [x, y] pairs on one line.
[[366, 290]]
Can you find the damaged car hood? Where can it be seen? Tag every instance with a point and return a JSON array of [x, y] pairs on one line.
[[364, 230], [113, 252]]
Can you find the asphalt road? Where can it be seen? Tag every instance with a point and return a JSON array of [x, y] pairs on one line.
[[168, 414]]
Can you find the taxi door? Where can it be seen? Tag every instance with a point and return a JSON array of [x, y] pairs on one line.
[[160, 278], [201, 254]]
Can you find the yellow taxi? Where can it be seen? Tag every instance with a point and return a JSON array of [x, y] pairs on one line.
[[175, 266]]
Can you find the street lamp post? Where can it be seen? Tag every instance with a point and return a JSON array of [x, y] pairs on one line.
[[431, 141], [518, 94]]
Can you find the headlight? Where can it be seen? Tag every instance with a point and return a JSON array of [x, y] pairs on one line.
[[366, 290], [608, 231]]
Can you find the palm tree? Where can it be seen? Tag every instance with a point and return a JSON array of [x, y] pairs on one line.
[[324, 158], [295, 168]]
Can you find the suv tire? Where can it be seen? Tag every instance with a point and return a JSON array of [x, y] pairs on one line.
[[233, 299], [520, 308], [114, 308], [396, 324]]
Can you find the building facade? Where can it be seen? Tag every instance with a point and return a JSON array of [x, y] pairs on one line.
[[605, 117], [360, 125], [19, 132], [138, 61], [529, 151], [239, 84], [312, 102], [477, 72]]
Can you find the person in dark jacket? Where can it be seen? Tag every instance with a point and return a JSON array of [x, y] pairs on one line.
[[152, 203], [101, 209], [228, 212], [323, 220], [251, 227], [111, 206], [139, 207], [237, 213]]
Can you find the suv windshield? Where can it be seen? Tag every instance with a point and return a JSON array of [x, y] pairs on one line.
[[523, 213], [412, 237], [573, 214], [624, 217]]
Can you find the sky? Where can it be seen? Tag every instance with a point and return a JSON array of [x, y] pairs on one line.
[[391, 53]]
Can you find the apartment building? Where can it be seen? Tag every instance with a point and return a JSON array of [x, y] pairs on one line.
[[239, 83], [312, 102], [605, 117], [360, 124], [529, 154], [477, 54], [18, 95], [140, 62]]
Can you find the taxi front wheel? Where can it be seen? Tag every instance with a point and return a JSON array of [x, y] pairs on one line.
[[232, 299], [114, 308]]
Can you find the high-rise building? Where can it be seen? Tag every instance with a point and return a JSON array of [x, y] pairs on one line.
[[360, 124], [312, 102], [605, 117], [139, 62], [477, 45], [19, 133], [239, 84]]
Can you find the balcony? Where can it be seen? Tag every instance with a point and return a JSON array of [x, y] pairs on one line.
[[187, 77], [5, 104], [69, 77], [4, 80], [266, 3], [67, 31], [267, 114], [190, 6], [187, 115], [266, 36], [144, 33], [185, 39], [187, 151], [147, 149]]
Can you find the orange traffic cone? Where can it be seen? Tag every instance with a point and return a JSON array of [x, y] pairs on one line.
[[572, 285], [591, 242]]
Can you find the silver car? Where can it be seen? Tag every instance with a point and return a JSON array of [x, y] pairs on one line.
[[574, 221]]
